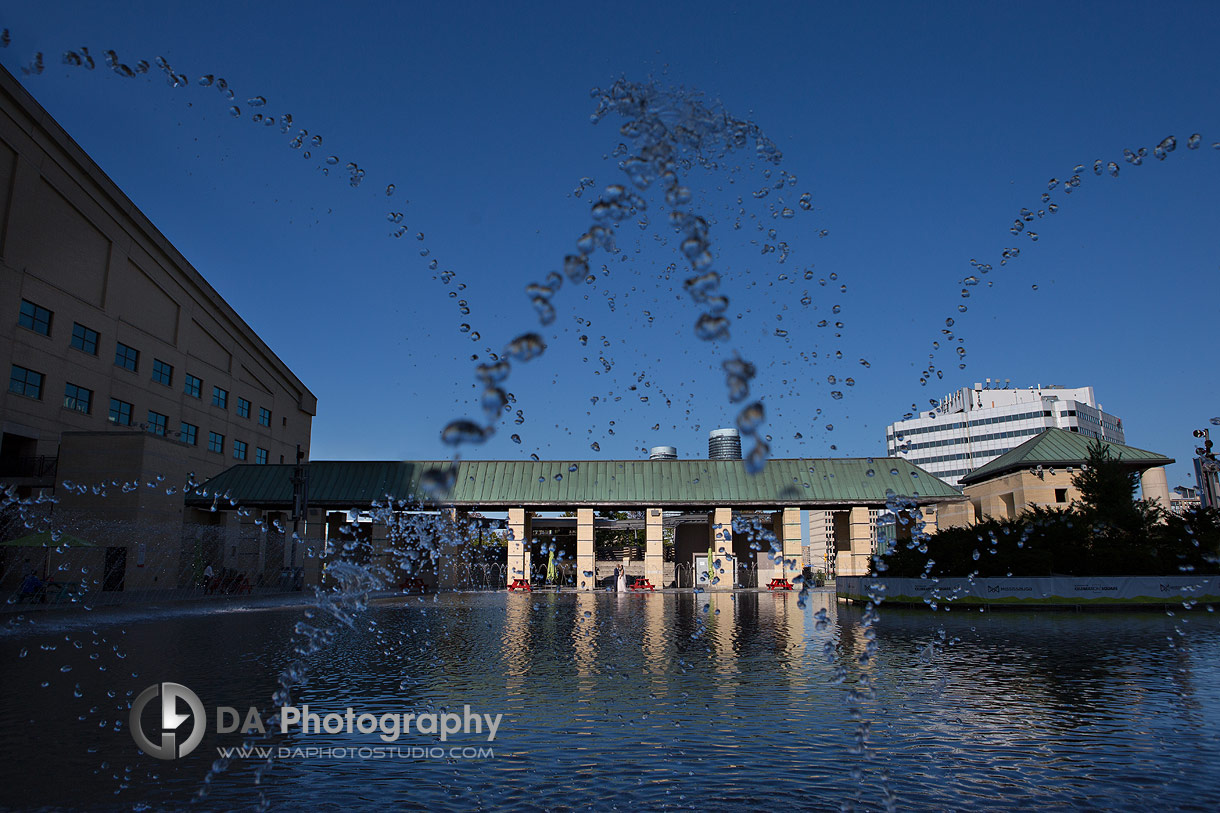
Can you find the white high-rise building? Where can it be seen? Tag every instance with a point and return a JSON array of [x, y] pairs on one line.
[[975, 425]]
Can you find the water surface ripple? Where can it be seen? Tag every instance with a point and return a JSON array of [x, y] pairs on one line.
[[643, 701]]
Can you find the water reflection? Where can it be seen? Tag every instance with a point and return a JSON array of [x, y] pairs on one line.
[[649, 700]]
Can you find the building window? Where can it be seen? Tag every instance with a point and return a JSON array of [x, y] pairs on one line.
[[78, 398], [126, 357], [243, 408], [194, 386], [216, 443], [157, 423], [260, 456], [25, 382], [163, 373], [220, 397], [84, 339], [120, 412], [188, 433], [1061, 495], [264, 417], [35, 317], [239, 449]]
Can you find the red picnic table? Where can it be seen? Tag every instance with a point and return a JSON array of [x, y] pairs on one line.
[[520, 584], [779, 584], [642, 584], [413, 584]]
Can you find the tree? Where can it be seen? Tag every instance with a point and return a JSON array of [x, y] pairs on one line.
[[1121, 528]]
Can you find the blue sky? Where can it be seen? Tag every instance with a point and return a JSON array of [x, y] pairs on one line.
[[920, 131]]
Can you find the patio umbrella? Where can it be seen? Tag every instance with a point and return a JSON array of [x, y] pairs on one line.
[[552, 573], [43, 539], [710, 565]]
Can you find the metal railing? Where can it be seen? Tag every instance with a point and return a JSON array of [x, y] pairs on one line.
[[29, 466]]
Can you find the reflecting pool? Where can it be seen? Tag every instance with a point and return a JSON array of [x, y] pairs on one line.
[[637, 701]]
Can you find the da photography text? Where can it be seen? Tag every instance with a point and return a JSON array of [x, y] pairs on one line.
[[178, 705]]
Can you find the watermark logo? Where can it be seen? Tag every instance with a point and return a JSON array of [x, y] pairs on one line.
[[171, 721], [168, 741]]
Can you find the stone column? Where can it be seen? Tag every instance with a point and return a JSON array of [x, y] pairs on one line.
[[1154, 486], [586, 579], [311, 549], [335, 540], [654, 552], [453, 545], [788, 533], [931, 520], [520, 529], [264, 532], [379, 546], [861, 541], [721, 532]]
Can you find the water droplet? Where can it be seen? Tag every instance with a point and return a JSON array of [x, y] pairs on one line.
[[257, 101], [332, 160], [1168, 145], [595, 446], [525, 347], [751, 418], [1192, 143], [463, 431], [711, 327], [436, 483]]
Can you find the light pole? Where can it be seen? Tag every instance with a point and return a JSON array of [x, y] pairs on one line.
[[300, 507]]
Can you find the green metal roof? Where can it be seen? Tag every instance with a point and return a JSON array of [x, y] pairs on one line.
[[556, 484], [1058, 447]]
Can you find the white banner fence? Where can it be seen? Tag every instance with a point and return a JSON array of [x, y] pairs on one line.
[[1092, 591]]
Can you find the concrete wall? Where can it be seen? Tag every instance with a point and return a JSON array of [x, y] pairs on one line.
[[1005, 497]]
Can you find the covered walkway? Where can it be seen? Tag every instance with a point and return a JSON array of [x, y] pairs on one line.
[[843, 498]]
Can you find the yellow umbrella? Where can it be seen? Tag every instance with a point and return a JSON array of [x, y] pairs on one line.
[[47, 539]]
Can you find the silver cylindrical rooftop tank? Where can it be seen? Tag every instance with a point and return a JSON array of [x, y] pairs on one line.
[[663, 453], [724, 444]]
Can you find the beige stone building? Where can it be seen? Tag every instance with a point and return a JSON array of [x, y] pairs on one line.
[[1039, 473], [124, 364]]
